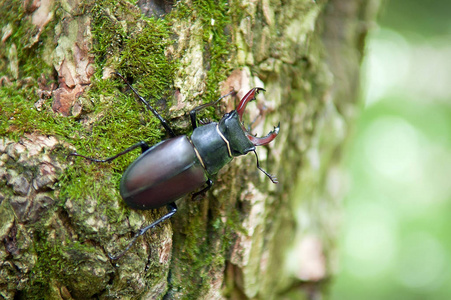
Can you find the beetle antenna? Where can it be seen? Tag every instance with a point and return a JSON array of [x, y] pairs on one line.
[[273, 179]]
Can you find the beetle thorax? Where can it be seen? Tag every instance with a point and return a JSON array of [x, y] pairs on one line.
[[217, 143]]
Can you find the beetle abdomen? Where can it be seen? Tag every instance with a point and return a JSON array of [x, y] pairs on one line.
[[162, 174]]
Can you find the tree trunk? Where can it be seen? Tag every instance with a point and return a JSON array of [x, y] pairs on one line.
[[247, 238]]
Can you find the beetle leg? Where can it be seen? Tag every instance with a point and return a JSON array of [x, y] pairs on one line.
[[194, 111], [172, 209], [149, 107], [141, 144], [205, 189], [273, 179]]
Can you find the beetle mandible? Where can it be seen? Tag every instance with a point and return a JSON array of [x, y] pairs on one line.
[[180, 165]]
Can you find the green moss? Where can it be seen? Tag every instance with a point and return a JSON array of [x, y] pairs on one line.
[[140, 50], [118, 120], [17, 112], [218, 49], [19, 116], [195, 241], [29, 52], [215, 19], [143, 58], [61, 262], [125, 41], [134, 46]]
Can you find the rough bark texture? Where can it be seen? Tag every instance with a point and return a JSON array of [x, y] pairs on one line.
[[247, 238]]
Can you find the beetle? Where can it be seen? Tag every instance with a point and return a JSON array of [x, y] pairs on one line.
[[180, 165]]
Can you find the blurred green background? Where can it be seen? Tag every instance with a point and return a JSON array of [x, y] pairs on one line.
[[396, 240]]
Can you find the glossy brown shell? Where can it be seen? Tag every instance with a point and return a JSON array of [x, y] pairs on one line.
[[162, 174]]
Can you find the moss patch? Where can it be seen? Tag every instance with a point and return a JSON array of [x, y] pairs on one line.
[[112, 118], [21, 45], [218, 49], [135, 46], [73, 265]]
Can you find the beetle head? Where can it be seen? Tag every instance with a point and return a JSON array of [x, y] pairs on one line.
[[238, 138]]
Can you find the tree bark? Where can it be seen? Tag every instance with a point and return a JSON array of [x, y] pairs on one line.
[[246, 238]]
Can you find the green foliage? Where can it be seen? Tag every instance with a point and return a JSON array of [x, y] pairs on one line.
[[396, 239]]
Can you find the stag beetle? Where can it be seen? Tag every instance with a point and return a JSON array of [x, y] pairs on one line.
[[180, 165]]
